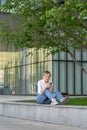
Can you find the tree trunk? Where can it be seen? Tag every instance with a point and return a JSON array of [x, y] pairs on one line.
[[79, 64]]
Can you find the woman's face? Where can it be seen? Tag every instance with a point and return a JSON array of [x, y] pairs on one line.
[[46, 77]]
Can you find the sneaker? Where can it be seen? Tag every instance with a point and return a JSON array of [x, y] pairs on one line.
[[54, 102], [64, 100]]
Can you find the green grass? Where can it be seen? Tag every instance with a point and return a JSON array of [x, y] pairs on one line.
[[77, 101], [71, 101]]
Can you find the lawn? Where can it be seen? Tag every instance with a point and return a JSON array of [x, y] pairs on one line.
[[71, 101], [77, 101]]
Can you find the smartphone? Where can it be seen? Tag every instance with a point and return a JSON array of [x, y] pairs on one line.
[[50, 83]]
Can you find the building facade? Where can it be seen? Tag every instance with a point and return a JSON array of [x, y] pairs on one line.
[[20, 71], [67, 75]]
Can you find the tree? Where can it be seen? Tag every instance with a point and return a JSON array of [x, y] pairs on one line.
[[52, 24]]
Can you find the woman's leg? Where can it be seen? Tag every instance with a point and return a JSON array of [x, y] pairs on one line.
[[41, 98], [47, 101], [59, 96], [50, 94]]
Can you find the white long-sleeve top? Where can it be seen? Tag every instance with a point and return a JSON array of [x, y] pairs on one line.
[[41, 84]]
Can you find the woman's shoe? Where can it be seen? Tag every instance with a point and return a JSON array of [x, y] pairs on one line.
[[54, 102], [64, 100]]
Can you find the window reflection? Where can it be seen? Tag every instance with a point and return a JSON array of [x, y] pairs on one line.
[[21, 71]]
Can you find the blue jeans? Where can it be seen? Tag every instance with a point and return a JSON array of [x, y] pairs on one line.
[[45, 98]]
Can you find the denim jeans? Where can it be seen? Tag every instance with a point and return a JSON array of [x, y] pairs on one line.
[[45, 98]]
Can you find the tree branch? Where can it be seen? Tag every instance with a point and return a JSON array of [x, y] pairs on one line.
[[79, 64]]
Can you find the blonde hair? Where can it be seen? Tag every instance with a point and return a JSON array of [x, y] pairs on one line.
[[46, 72]]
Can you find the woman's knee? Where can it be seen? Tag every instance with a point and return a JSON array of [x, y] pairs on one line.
[[40, 99]]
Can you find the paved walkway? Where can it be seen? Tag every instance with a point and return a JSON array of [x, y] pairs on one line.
[[6, 98], [7, 123]]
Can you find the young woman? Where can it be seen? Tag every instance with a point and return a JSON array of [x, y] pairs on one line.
[[46, 94]]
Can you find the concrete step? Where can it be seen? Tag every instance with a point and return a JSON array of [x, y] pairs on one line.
[[59, 114]]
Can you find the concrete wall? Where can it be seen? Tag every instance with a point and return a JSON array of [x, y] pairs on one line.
[[68, 115]]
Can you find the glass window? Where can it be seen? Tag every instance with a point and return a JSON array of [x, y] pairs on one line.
[[78, 55], [77, 80], [55, 57], [55, 74], [85, 80], [62, 56], [62, 76], [71, 78], [69, 57], [84, 55]]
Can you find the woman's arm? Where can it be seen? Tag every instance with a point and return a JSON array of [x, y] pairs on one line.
[[48, 85], [41, 88]]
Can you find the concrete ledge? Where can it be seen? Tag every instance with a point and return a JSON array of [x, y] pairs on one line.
[[59, 114]]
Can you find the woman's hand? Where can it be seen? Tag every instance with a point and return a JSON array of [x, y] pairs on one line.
[[48, 85]]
